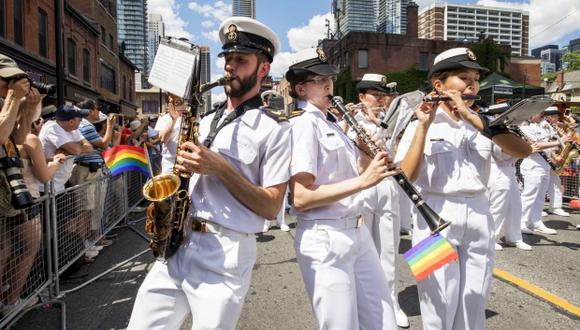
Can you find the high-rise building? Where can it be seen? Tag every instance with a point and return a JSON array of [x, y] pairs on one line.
[[354, 15], [550, 60], [205, 75], [574, 45], [392, 16], [155, 30], [246, 8], [536, 52], [468, 22], [132, 31]]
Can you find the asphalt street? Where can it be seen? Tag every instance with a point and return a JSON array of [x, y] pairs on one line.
[[277, 298]]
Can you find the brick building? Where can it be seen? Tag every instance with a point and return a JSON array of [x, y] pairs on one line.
[[376, 52], [525, 69], [127, 85]]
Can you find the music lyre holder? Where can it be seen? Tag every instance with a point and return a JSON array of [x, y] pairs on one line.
[[522, 111]]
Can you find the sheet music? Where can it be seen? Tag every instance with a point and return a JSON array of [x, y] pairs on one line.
[[172, 69]]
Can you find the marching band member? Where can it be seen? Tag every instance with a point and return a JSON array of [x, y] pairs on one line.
[[535, 171], [243, 165], [381, 212], [555, 185], [339, 264], [448, 157], [505, 200]]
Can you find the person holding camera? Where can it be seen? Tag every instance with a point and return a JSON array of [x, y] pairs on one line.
[[168, 127]]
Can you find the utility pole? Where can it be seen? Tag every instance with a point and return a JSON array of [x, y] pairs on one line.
[[58, 8]]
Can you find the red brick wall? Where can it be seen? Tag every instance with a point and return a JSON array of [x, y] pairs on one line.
[[527, 69]]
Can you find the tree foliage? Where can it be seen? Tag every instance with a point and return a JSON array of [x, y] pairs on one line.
[[491, 55], [409, 80], [571, 61], [345, 86]]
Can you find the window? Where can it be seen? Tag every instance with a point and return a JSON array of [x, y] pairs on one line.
[[103, 36], [86, 66], [18, 23], [2, 18], [124, 87], [363, 58], [130, 89], [111, 42], [71, 58], [42, 33], [150, 107], [108, 80], [423, 61]]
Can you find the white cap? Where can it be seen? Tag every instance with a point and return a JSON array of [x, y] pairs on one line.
[[375, 77], [247, 35], [269, 93]]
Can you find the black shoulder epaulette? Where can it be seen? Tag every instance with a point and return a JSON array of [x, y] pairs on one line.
[[295, 113], [278, 115]]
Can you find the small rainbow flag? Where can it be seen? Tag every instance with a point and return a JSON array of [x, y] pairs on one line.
[[123, 158], [429, 255]]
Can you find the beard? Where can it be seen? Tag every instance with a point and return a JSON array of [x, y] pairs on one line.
[[238, 87]]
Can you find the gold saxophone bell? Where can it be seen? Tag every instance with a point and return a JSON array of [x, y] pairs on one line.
[[161, 187]]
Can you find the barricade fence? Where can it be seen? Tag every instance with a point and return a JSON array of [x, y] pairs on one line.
[[39, 245], [569, 180]]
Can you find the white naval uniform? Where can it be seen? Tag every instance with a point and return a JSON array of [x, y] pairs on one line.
[[536, 175], [210, 274], [339, 263], [504, 196], [381, 215], [554, 191], [453, 179]]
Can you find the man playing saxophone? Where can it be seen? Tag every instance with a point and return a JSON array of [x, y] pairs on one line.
[[241, 172]]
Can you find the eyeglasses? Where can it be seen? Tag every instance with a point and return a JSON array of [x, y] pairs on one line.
[[320, 80]]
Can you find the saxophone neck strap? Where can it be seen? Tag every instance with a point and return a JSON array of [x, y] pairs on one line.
[[253, 103]]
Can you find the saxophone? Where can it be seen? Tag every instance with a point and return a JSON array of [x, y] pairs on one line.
[[168, 192], [570, 149]]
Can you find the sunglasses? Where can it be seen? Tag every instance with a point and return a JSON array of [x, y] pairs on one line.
[[320, 80]]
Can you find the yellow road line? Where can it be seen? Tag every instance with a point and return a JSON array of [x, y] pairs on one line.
[[536, 291]]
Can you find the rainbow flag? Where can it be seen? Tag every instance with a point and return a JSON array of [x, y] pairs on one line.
[[429, 255], [123, 158]]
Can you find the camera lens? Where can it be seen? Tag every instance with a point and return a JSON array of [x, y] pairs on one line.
[[46, 89]]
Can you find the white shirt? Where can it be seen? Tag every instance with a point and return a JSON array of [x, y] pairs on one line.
[[322, 149], [53, 136], [169, 151], [456, 158], [537, 132], [259, 148]]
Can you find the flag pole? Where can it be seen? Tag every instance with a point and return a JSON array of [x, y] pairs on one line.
[[151, 175]]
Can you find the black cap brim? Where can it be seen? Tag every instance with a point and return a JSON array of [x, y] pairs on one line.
[[297, 75], [445, 66], [371, 85]]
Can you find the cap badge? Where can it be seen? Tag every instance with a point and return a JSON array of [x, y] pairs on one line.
[[471, 55], [383, 81], [321, 55], [232, 33]]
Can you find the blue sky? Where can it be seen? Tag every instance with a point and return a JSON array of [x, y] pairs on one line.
[[301, 23]]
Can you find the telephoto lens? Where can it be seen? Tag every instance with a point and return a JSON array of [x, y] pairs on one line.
[[21, 197], [46, 89]]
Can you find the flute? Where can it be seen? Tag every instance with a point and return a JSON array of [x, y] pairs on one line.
[[434, 221], [438, 98]]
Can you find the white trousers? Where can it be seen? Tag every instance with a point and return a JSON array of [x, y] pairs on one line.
[[536, 183], [454, 296], [343, 276], [554, 191], [381, 214], [505, 204], [405, 210], [209, 276]]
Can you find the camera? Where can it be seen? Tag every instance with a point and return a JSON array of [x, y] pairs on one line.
[[47, 89], [20, 196]]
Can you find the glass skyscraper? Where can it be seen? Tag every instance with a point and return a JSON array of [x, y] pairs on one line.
[[392, 16], [132, 30], [155, 30], [246, 8], [386, 16]]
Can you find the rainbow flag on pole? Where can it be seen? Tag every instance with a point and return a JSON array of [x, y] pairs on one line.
[[123, 158], [429, 255]]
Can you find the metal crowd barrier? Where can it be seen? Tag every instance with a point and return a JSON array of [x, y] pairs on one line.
[[569, 178], [35, 250]]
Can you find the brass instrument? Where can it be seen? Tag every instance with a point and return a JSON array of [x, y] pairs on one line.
[[168, 192], [570, 148]]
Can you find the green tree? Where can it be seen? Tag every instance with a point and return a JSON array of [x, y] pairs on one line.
[[345, 86], [491, 55], [571, 61], [550, 76], [408, 80]]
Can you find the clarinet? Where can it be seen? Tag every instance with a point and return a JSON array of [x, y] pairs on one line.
[[519, 132], [433, 220]]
